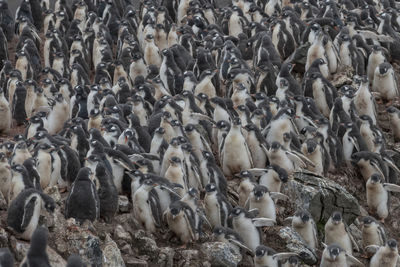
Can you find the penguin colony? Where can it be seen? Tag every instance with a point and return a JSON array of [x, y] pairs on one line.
[[167, 103]]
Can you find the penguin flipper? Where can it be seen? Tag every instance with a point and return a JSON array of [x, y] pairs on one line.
[[261, 222], [241, 245], [258, 171], [29, 208], [190, 220], [372, 249], [277, 195], [391, 187], [353, 261], [300, 157]]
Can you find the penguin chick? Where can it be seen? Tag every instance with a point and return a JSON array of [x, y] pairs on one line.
[[385, 82], [5, 113], [394, 118], [216, 206], [304, 225], [5, 175], [234, 145], [108, 194], [377, 195], [245, 187], [334, 255], [37, 255], [146, 206], [386, 255], [24, 211], [246, 226], [372, 232], [181, 220], [335, 232], [19, 182], [262, 200], [83, 201], [266, 256]]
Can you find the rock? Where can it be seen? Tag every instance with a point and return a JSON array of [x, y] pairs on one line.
[[3, 202], [121, 234], [190, 257], [341, 79], [133, 262], [296, 244], [123, 204], [145, 245], [220, 254], [54, 194], [22, 247], [93, 251], [112, 255], [166, 257], [125, 248], [3, 238], [322, 197]]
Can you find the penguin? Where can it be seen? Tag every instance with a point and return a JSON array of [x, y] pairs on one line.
[[246, 226], [376, 58], [316, 153], [285, 73], [171, 76], [214, 173], [335, 232], [271, 177], [24, 211], [205, 84], [246, 186], [377, 195], [181, 220], [386, 255], [19, 182], [385, 82], [6, 258], [373, 233], [44, 165], [176, 174], [146, 206], [266, 256], [304, 225], [370, 163], [235, 143], [5, 113], [151, 52], [192, 200], [18, 103], [107, 192], [316, 49], [394, 119], [261, 199], [334, 255], [5, 175], [216, 206], [363, 100], [83, 200], [37, 253]]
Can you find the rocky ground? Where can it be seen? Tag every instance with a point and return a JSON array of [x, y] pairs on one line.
[[122, 243]]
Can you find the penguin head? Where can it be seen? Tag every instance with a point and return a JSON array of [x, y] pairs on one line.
[[245, 175], [334, 251], [175, 161], [137, 175], [315, 27], [304, 215], [207, 155], [175, 142], [237, 212], [260, 96], [392, 244], [84, 173], [193, 192], [176, 208], [250, 127], [187, 147], [392, 110], [160, 131], [259, 191], [384, 68], [219, 231], [311, 145], [19, 169], [262, 251], [376, 178], [336, 217], [210, 188], [202, 97], [368, 220], [223, 125], [275, 146], [149, 184], [237, 121], [21, 145], [189, 128], [283, 83]]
